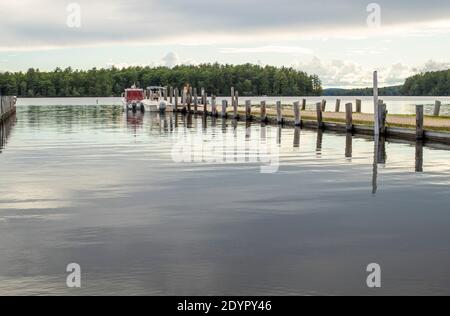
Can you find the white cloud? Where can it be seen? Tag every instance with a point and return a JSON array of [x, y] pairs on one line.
[[348, 74], [432, 65], [268, 49], [171, 60]]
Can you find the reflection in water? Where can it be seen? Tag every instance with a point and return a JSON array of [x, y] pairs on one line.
[[215, 227], [419, 156], [297, 131], [379, 157], [349, 146], [319, 143], [5, 131]]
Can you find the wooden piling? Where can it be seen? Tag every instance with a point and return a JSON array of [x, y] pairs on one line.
[[224, 108], [279, 113], [175, 107], [358, 106], [349, 117], [248, 110], [338, 106], [419, 122], [263, 112], [213, 106], [205, 103], [319, 115], [324, 105], [171, 95], [437, 108], [382, 111], [297, 115], [195, 101], [304, 105], [375, 103], [183, 97], [202, 95], [7, 107]]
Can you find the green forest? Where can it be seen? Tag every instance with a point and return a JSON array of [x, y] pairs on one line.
[[428, 84], [217, 79]]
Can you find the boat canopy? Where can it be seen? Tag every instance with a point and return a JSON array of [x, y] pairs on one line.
[[134, 95]]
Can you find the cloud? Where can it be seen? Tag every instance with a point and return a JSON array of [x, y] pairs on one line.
[[268, 49], [42, 25], [348, 74], [432, 65], [170, 60]]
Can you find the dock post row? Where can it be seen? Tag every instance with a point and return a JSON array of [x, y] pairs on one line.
[[380, 127]]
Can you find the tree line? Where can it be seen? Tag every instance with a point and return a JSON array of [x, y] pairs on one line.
[[428, 84], [217, 79], [386, 91]]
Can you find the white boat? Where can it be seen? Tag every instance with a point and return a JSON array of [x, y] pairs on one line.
[[134, 99], [157, 100]]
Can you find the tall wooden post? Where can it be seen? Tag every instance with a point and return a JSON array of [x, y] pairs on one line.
[[171, 95], [375, 102], [349, 117], [419, 122], [319, 115]]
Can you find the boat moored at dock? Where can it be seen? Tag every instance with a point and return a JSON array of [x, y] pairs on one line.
[[152, 100]]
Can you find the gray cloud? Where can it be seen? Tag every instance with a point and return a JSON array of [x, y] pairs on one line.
[[29, 24]]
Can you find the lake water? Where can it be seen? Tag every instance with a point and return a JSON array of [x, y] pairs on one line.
[[173, 205]]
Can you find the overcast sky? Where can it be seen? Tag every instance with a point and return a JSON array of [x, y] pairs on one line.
[[327, 37]]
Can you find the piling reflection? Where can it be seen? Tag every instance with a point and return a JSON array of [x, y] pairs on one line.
[[297, 137], [379, 158], [319, 143], [243, 140], [419, 156], [6, 128], [349, 146]]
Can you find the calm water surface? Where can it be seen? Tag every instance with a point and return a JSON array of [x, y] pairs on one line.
[[89, 185]]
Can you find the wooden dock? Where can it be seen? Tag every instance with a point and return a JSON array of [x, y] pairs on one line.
[[409, 127]]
